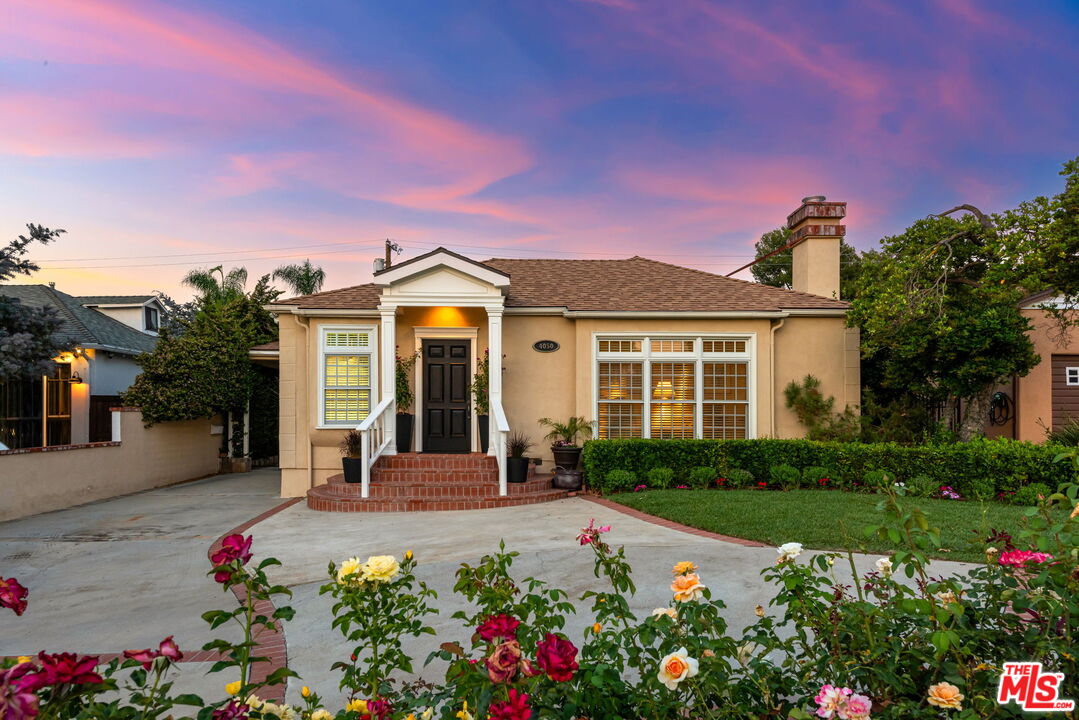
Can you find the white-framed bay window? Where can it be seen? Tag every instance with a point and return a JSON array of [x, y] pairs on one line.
[[674, 386], [348, 372]]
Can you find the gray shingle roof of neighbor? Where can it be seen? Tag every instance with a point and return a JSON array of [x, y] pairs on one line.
[[81, 325], [114, 299], [635, 284]]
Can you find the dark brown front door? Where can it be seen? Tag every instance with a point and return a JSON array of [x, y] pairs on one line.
[[446, 418]]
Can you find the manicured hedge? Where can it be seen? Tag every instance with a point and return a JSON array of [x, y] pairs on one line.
[[1010, 464]]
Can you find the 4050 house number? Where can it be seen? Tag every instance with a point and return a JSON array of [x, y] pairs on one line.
[[545, 346]]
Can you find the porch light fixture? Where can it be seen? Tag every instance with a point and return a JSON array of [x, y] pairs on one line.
[[75, 379]]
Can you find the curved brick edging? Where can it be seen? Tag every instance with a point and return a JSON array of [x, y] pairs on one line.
[[269, 643], [670, 524]]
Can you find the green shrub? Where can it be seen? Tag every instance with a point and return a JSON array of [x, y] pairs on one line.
[[877, 481], [785, 477], [923, 486], [659, 478], [1028, 494], [738, 478], [618, 481], [1009, 463], [813, 475], [981, 489], [702, 477]]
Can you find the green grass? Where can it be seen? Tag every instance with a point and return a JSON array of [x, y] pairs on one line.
[[824, 520]]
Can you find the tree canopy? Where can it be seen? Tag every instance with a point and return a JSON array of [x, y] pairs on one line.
[[939, 304], [301, 278], [776, 270], [200, 366], [28, 340]]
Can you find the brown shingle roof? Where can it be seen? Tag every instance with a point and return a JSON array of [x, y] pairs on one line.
[[273, 345], [633, 285]]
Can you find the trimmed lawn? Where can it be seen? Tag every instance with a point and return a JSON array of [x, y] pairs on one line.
[[824, 519]]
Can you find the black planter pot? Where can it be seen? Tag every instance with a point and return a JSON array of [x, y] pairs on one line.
[[517, 469], [566, 479], [353, 469], [566, 458], [405, 422], [484, 422]]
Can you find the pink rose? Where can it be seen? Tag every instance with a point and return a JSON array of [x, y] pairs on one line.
[[13, 595], [503, 661], [1019, 558], [17, 702], [516, 708]]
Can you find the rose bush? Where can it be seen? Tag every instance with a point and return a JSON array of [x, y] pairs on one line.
[[895, 642]]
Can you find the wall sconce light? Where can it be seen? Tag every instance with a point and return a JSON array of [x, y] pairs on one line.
[[76, 379]]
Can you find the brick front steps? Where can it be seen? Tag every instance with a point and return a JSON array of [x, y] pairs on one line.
[[417, 482]]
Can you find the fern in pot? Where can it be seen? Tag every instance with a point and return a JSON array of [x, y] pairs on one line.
[[517, 444], [352, 462]]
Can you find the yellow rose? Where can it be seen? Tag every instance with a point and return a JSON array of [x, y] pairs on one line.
[[1075, 512], [23, 659], [759, 611], [675, 668], [321, 714], [357, 706], [408, 554], [684, 567], [669, 612], [945, 695], [305, 691], [427, 714], [597, 628], [464, 714], [348, 567], [380, 568], [233, 687], [687, 587]]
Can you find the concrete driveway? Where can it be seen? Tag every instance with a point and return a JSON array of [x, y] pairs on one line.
[[124, 573], [544, 535]]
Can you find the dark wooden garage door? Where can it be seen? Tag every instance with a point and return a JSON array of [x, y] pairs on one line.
[[1065, 389]]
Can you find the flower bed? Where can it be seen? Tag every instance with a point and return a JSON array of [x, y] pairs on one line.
[[989, 467], [877, 648]]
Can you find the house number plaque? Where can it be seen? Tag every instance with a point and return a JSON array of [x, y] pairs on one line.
[[545, 346]]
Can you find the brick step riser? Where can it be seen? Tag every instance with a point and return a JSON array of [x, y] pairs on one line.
[[437, 462], [433, 490], [414, 505], [435, 476]]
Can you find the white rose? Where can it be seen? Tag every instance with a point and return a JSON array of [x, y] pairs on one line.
[[789, 551], [676, 667], [884, 567]]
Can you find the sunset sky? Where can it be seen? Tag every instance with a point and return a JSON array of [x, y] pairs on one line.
[[165, 136]]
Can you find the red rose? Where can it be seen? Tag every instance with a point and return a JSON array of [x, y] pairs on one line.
[[516, 708], [503, 662], [557, 658], [233, 711], [498, 626], [62, 669], [234, 547], [13, 595], [167, 649]]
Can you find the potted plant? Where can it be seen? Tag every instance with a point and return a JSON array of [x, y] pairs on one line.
[[405, 397], [481, 399], [567, 453], [352, 462], [517, 464]]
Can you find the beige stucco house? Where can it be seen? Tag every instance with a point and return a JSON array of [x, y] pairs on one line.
[[641, 347]]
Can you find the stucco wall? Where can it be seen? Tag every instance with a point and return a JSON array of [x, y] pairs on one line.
[[53, 479], [557, 384], [1034, 393]]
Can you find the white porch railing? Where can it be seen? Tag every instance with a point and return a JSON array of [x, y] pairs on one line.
[[500, 431], [374, 441]]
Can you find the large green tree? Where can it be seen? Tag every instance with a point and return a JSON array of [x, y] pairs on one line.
[[776, 270], [200, 366], [28, 339], [938, 305]]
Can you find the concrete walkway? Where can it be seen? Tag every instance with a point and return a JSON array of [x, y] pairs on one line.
[[544, 535], [124, 573]]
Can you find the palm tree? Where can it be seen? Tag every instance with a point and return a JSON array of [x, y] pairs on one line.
[[302, 278], [214, 286]]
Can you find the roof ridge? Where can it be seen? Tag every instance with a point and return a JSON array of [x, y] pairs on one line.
[[67, 310]]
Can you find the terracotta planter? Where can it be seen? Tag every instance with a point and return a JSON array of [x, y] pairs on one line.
[[353, 468]]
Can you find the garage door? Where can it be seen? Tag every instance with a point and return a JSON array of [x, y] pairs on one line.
[[1065, 389]]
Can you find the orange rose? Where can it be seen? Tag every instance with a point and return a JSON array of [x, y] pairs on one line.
[[687, 587], [945, 695], [684, 567]]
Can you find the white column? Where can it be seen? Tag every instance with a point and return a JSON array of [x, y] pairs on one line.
[[494, 390], [388, 370]]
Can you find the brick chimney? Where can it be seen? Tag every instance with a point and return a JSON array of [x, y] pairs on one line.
[[815, 235]]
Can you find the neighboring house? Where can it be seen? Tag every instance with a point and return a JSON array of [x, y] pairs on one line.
[[1047, 398], [70, 406], [643, 348]]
